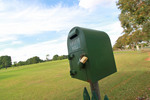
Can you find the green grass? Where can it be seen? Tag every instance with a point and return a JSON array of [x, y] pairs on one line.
[[126, 51], [51, 80]]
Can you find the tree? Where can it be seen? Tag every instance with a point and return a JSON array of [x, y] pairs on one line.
[[33, 60], [47, 57], [21, 63], [15, 63], [55, 57], [121, 42], [65, 56], [1, 66], [135, 19], [5, 61], [118, 44]]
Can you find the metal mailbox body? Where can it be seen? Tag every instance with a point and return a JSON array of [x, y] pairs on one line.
[[97, 47]]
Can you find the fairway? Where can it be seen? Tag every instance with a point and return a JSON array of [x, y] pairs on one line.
[[52, 81]]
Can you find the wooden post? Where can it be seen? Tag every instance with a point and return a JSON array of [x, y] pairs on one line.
[[95, 88]]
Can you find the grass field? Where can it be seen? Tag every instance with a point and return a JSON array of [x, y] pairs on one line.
[[51, 80]]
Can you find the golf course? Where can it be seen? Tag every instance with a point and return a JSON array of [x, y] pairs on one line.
[[51, 80]]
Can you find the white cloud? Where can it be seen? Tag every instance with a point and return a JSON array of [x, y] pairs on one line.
[[91, 4], [34, 20], [114, 38], [114, 30], [4, 39], [1, 5], [52, 47], [16, 42]]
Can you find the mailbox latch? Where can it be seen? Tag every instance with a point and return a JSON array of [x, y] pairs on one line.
[[83, 59]]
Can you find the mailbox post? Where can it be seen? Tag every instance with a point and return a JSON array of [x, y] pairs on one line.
[[90, 56], [95, 88]]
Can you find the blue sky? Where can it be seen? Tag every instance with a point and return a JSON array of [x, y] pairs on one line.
[[39, 27]]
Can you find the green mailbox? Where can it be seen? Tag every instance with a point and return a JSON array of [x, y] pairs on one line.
[[90, 54]]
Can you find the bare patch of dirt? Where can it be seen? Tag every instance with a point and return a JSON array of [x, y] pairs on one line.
[[148, 59]]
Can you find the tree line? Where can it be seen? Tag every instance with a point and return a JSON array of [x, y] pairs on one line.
[[135, 21], [5, 61]]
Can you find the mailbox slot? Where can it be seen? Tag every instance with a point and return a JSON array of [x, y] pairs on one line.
[[73, 36]]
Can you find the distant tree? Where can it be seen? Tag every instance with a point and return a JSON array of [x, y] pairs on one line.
[[1, 66], [15, 63], [33, 60], [5, 61], [21, 63], [65, 56], [59, 57], [119, 43], [55, 57], [47, 57]]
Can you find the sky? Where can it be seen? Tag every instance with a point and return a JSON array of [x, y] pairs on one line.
[[39, 27]]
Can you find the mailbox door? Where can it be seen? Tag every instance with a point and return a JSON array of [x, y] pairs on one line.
[[76, 69]]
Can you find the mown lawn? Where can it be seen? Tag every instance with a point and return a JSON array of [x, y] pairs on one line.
[[51, 80]]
